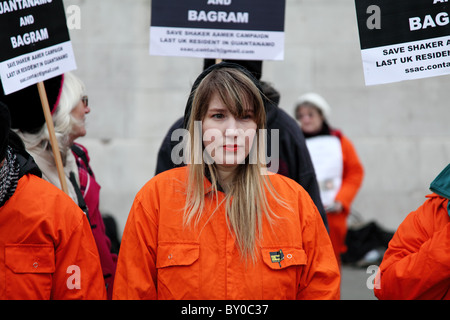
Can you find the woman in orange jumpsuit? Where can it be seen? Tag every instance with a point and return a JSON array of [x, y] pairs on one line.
[[47, 250], [69, 108], [416, 264], [338, 168], [222, 227]]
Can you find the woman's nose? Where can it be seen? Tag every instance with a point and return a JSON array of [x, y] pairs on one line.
[[232, 127]]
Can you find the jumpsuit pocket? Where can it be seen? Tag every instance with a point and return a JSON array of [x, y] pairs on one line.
[[29, 271], [283, 271], [178, 270]]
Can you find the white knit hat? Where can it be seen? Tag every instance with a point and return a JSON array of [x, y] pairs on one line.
[[316, 100]]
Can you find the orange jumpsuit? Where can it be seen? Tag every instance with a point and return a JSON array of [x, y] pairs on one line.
[[352, 177], [161, 259], [417, 263], [47, 250]]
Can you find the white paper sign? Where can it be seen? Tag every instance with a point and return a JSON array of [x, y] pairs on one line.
[[407, 61], [403, 39], [35, 43], [327, 159], [28, 69], [240, 30]]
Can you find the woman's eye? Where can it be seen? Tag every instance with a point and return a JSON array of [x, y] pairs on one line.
[[218, 116]]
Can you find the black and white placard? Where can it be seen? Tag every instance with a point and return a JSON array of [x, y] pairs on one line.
[[35, 42], [227, 29], [403, 39]]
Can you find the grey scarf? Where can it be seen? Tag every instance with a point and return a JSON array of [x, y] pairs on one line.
[[9, 176]]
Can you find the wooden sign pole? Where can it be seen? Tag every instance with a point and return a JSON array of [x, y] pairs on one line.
[[53, 141]]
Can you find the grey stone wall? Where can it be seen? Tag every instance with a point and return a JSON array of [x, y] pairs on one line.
[[400, 130]]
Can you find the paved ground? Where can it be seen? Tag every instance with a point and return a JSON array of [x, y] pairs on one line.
[[354, 283]]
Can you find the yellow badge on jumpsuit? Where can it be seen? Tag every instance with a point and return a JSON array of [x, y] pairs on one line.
[[277, 257]]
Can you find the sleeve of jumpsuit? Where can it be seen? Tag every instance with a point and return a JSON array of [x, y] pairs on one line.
[[136, 272], [352, 177], [417, 263], [78, 274], [321, 278]]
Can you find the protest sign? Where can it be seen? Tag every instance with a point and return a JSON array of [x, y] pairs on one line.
[[35, 46], [327, 158], [35, 42], [218, 29], [403, 39]]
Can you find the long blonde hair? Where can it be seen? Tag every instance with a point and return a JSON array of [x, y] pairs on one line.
[[246, 197]]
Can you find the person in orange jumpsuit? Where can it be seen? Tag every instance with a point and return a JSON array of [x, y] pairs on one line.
[[47, 250], [223, 227], [69, 109], [338, 168], [416, 264]]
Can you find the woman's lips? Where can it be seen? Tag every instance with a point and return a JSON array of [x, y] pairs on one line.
[[231, 147]]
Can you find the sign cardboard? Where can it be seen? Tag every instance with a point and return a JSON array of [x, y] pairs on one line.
[[35, 46], [326, 156], [403, 39], [218, 29], [35, 43]]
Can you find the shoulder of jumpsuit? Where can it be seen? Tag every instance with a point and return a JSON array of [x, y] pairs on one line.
[[56, 201], [164, 181], [441, 186], [288, 188]]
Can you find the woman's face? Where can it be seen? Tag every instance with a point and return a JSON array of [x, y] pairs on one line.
[[227, 139], [79, 114], [310, 119]]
